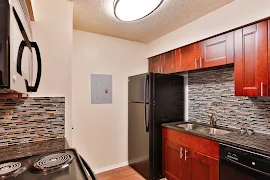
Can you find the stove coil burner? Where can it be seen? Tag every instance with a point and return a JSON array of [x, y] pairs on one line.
[[9, 168], [52, 163]]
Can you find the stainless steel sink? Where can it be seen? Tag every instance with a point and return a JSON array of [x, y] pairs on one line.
[[213, 131], [203, 129], [189, 126]]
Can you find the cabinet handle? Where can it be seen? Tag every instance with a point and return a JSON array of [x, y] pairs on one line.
[[161, 69], [186, 155], [181, 152], [196, 65], [201, 63], [261, 88]]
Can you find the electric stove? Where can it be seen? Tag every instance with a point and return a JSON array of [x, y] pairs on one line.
[[59, 165]]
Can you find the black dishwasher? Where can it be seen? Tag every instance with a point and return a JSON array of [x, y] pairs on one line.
[[241, 164]]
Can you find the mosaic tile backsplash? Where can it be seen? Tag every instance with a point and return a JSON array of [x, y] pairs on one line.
[[31, 119], [212, 92]]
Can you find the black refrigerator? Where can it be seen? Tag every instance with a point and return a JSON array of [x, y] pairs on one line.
[[153, 99]]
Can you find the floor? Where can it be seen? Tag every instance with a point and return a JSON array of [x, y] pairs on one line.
[[123, 173]]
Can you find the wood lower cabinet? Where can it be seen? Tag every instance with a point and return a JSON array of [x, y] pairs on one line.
[[174, 161], [217, 51], [202, 167], [251, 60], [188, 157]]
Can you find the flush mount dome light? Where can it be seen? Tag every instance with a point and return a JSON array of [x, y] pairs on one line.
[[131, 10]]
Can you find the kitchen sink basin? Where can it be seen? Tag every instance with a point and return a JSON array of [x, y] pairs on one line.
[[213, 131], [203, 129], [189, 126]]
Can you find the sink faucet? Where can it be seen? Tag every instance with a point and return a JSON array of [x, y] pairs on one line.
[[213, 121]]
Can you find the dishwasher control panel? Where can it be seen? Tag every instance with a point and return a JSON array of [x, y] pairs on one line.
[[243, 157]]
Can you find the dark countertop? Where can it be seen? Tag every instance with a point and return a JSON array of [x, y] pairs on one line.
[[258, 142], [30, 149]]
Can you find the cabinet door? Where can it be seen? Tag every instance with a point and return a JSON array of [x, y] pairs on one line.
[[154, 64], [169, 62], [189, 57], [174, 164], [203, 167], [268, 57], [251, 60], [217, 51]]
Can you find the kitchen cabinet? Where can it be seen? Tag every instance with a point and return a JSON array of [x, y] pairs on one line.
[[189, 57], [189, 157], [155, 64], [268, 57], [217, 51], [170, 59], [164, 63], [203, 167], [175, 161], [251, 60], [30, 9]]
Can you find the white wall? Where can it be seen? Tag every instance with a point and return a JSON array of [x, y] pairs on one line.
[[100, 131], [53, 31], [235, 14]]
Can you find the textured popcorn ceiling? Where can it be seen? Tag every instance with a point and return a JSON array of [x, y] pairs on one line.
[[97, 16]]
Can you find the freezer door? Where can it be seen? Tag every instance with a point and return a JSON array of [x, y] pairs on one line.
[[168, 95], [138, 88], [138, 138]]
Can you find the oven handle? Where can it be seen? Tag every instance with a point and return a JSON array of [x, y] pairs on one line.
[[88, 168]]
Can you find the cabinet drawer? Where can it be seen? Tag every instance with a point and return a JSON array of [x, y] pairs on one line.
[[196, 143], [176, 137], [204, 146]]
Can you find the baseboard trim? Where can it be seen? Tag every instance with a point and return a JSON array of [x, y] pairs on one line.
[[108, 168]]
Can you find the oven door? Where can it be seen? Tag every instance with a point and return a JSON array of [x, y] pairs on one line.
[[232, 171]]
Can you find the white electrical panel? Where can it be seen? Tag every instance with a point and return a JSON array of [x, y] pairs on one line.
[[101, 89]]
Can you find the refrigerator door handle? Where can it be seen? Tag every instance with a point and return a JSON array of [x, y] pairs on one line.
[[145, 112]]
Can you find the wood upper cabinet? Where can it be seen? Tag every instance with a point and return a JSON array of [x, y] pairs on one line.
[[175, 164], [217, 51], [155, 64], [202, 167], [169, 65], [268, 57], [251, 60], [188, 57]]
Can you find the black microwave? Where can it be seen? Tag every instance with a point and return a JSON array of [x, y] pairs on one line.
[[19, 54]]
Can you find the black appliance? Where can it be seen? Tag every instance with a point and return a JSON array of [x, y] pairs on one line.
[[60, 165], [19, 55], [241, 164], [153, 99]]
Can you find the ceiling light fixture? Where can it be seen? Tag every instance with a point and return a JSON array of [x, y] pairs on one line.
[[131, 10]]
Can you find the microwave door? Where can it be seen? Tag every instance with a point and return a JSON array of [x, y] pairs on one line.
[[20, 51], [25, 58]]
